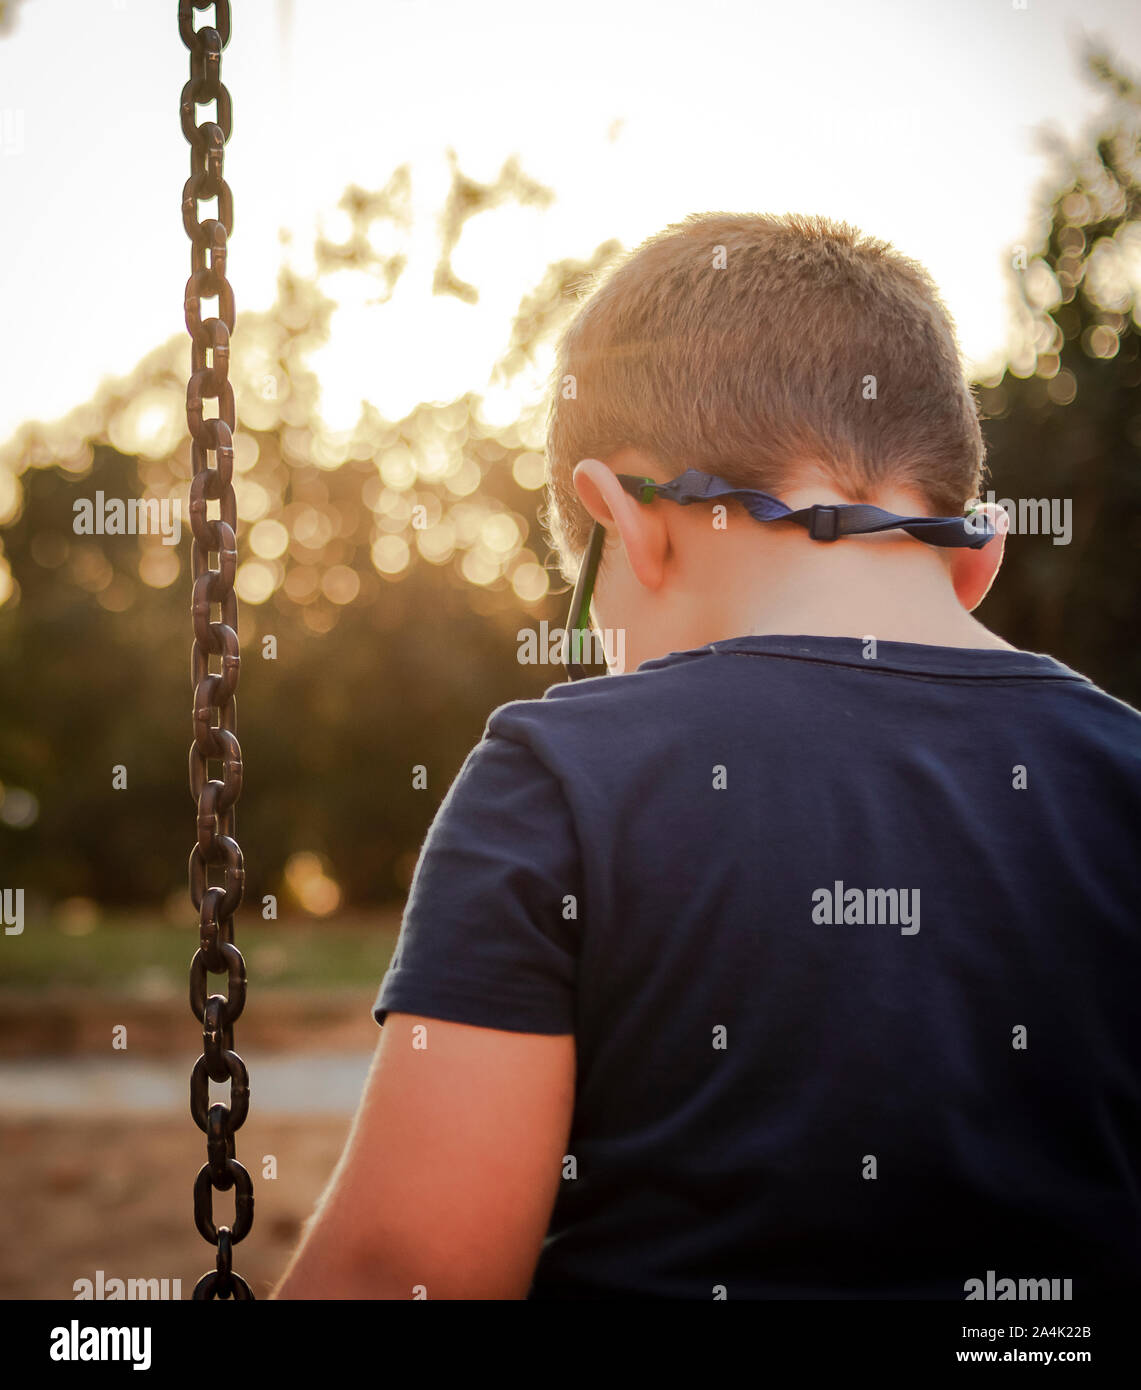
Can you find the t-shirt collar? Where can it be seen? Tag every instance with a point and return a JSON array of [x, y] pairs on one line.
[[915, 657]]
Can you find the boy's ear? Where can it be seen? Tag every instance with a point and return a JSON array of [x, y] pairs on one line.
[[641, 527], [974, 571], [598, 490]]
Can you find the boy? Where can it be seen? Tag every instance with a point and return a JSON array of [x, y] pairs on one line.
[[800, 960]]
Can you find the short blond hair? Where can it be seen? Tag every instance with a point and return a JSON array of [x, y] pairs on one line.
[[743, 343]]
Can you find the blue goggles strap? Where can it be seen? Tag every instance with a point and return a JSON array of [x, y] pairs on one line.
[[823, 523]]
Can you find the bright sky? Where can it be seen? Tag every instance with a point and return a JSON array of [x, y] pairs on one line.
[[913, 120]]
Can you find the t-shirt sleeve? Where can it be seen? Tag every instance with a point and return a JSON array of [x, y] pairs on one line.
[[486, 937]]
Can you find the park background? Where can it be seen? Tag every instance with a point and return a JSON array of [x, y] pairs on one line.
[[393, 341]]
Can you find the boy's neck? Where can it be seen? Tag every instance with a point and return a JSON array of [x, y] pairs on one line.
[[886, 623], [887, 585]]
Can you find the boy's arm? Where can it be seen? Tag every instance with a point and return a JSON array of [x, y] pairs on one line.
[[450, 1171]]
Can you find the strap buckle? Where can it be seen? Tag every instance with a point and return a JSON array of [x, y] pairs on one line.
[[824, 523]]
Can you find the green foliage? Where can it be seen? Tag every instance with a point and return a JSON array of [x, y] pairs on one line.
[[131, 955], [97, 639], [1065, 420], [357, 694]]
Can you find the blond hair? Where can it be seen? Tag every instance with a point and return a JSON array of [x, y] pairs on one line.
[[745, 344]]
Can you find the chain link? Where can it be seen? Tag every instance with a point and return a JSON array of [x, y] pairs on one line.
[[216, 848]]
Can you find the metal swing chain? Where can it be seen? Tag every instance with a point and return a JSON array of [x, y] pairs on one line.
[[216, 848]]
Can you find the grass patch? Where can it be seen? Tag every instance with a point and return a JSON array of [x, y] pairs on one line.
[[147, 955]]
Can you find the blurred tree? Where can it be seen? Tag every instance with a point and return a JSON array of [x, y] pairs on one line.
[[393, 571], [1064, 419]]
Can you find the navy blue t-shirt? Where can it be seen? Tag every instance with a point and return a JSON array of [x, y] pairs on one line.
[[849, 945]]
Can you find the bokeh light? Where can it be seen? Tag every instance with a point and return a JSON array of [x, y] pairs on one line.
[[269, 539], [529, 470], [390, 554], [18, 808], [255, 582], [312, 887], [530, 581], [340, 584]]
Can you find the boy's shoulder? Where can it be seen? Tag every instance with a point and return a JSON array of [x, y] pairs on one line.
[[765, 675], [572, 704]]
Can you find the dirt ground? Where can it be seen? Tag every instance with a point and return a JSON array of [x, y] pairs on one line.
[[83, 1193]]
